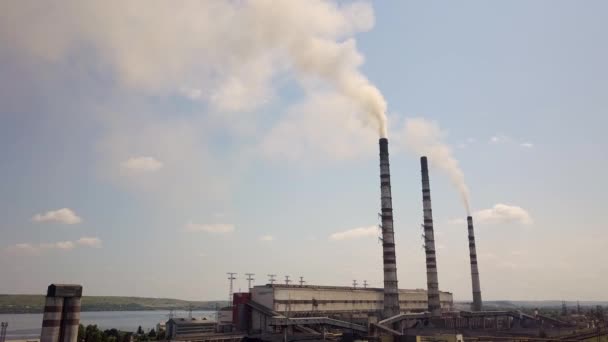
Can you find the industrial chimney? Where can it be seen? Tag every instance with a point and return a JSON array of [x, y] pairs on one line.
[[61, 313], [391, 289], [474, 270], [432, 280]]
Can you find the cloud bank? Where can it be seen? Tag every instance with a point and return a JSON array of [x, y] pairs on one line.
[[36, 249]]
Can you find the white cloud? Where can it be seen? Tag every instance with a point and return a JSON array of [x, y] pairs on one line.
[[499, 214], [503, 213], [499, 139], [63, 245], [355, 233], [216, 228], [527, 144], [64, 215], [89, 242], [37, 249], [267, 238], [23, 248], [145, 164]]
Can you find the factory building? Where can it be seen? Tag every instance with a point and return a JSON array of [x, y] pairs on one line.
[[178, 328], [298, 300], [342, 302]]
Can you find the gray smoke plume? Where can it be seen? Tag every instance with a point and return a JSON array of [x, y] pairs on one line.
[[227, 53], [424, 138]]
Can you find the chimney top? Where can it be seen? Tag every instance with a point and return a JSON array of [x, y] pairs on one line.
[[383, 145], [424, 164]]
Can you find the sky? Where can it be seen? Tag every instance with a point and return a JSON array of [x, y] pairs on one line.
[[150, 147]]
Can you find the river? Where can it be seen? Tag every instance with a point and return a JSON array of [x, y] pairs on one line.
[[23, 326]]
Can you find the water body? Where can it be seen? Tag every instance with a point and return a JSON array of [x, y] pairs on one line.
[[24, 326]]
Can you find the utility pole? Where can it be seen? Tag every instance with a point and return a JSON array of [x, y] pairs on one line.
[[231, 277], [3, 326], [272, 279], [365, 284], [249, 280], [287, 281], [302, 282], [355, 284]]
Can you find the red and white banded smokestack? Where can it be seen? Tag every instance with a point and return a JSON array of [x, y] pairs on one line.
[[391, 288], [432, 280], [477, 304]]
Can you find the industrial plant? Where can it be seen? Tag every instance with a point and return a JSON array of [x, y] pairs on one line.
[[290, 312]]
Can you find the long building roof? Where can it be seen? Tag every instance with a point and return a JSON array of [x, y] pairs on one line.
[[329, 287]]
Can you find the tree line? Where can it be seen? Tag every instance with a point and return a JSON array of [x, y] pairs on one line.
[[91, 333]]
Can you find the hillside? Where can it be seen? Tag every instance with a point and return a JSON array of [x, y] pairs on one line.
[[35, 304]]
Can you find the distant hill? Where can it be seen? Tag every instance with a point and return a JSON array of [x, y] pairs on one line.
[[527, 304], [35, 304]]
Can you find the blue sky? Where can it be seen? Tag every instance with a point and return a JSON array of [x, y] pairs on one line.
[[185, 151]]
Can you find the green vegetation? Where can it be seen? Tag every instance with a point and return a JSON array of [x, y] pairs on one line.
[[35, 304], [93, 334]]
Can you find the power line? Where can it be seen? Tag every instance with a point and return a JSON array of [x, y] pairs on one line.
[[249, 280], [231, 277]]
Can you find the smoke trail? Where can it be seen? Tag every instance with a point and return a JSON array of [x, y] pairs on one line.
[[228, 53], [424, 137]]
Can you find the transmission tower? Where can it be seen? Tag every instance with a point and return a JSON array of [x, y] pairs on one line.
[[355, 284], [365, 284], [231, 277], [271, 279], [250, 279], [287, 281], [302, 282]]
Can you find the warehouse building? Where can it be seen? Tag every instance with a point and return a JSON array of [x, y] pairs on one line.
[[347, 303], [178, 328], [304, 300]]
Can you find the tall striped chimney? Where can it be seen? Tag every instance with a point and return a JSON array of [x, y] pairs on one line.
[[61, 313], [391, 289], [474, 270], [432, 281]]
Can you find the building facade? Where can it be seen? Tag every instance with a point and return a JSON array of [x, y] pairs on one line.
[[293, 300], [180, 327]]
